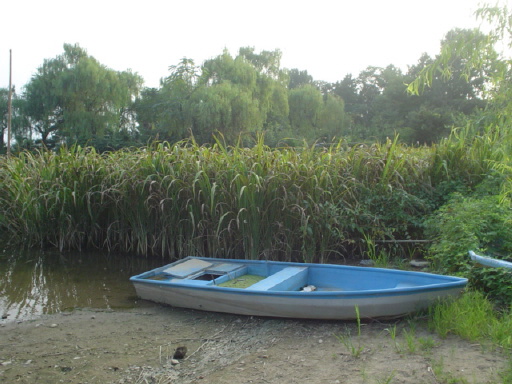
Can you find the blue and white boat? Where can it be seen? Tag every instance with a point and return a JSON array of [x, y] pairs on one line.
[[489, 262], [293, 290]]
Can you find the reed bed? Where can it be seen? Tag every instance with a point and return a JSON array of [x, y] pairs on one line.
[[305, 204]]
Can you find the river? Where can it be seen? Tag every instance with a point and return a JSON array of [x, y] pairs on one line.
[[34, 282]]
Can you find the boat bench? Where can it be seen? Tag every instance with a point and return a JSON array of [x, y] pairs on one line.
[[287, 279]]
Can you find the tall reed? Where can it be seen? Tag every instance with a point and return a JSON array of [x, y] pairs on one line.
[[305, 204]]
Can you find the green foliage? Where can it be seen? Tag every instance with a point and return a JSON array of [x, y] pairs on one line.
[[306, 204], [466, 55], [346, 340], [310, 203], [235, 97], [474, 318], [331, 119], [315, 117], [476, 217], [468, 223], [495, 282], [75, 98], [298, 78], [305, 104], [429, 125], [463, 54], [164, 113]]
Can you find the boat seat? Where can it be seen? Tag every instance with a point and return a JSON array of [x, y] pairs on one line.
[[187, 268], [287, 279]]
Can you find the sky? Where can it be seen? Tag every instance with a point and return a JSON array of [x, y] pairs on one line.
[[328, 38]]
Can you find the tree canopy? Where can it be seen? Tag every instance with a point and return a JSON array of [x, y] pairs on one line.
[[73, 98]]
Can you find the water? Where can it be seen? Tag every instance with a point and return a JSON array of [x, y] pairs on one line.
[[33, 283]]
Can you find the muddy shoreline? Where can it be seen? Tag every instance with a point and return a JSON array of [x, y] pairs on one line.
[[137, 346]]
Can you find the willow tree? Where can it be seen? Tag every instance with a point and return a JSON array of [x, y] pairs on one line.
[[487, 53], [236, 97], [305, 105], [482, 60], [78, 100], [164, 113], [332, 121], [315, 117], [471, 55], [239, 96]]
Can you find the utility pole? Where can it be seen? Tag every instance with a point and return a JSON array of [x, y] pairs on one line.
[[9, 106]]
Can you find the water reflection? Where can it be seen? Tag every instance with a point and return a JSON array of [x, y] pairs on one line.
[[35, 282]]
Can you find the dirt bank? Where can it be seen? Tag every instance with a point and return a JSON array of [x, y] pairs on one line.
[[137, 346]]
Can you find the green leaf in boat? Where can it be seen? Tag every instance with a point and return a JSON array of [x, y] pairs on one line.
[[243, 281]]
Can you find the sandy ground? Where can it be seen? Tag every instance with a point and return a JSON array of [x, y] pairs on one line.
[[137, 346]]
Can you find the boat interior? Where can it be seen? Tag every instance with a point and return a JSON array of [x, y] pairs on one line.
[[269, 276], [261, 276]]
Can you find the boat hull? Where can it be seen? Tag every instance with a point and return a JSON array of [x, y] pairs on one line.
[[489, 262], [341, 292], [332, 307]]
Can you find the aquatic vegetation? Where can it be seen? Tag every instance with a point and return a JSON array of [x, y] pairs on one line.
[[243, 281], [304, 204]]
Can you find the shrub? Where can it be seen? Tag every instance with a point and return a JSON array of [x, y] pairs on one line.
[[476, 223]]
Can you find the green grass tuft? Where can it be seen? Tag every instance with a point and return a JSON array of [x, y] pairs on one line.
[[472, 317]]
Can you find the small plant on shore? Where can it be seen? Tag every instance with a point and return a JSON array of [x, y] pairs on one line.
[[347, 340], [410, 340], [427, 343], [393, 333], [358, 319], [506, 375], [387, 379], [379, 257], [441, 376]]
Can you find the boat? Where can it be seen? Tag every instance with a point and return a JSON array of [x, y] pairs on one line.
[[293, 290], [489, 261]]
